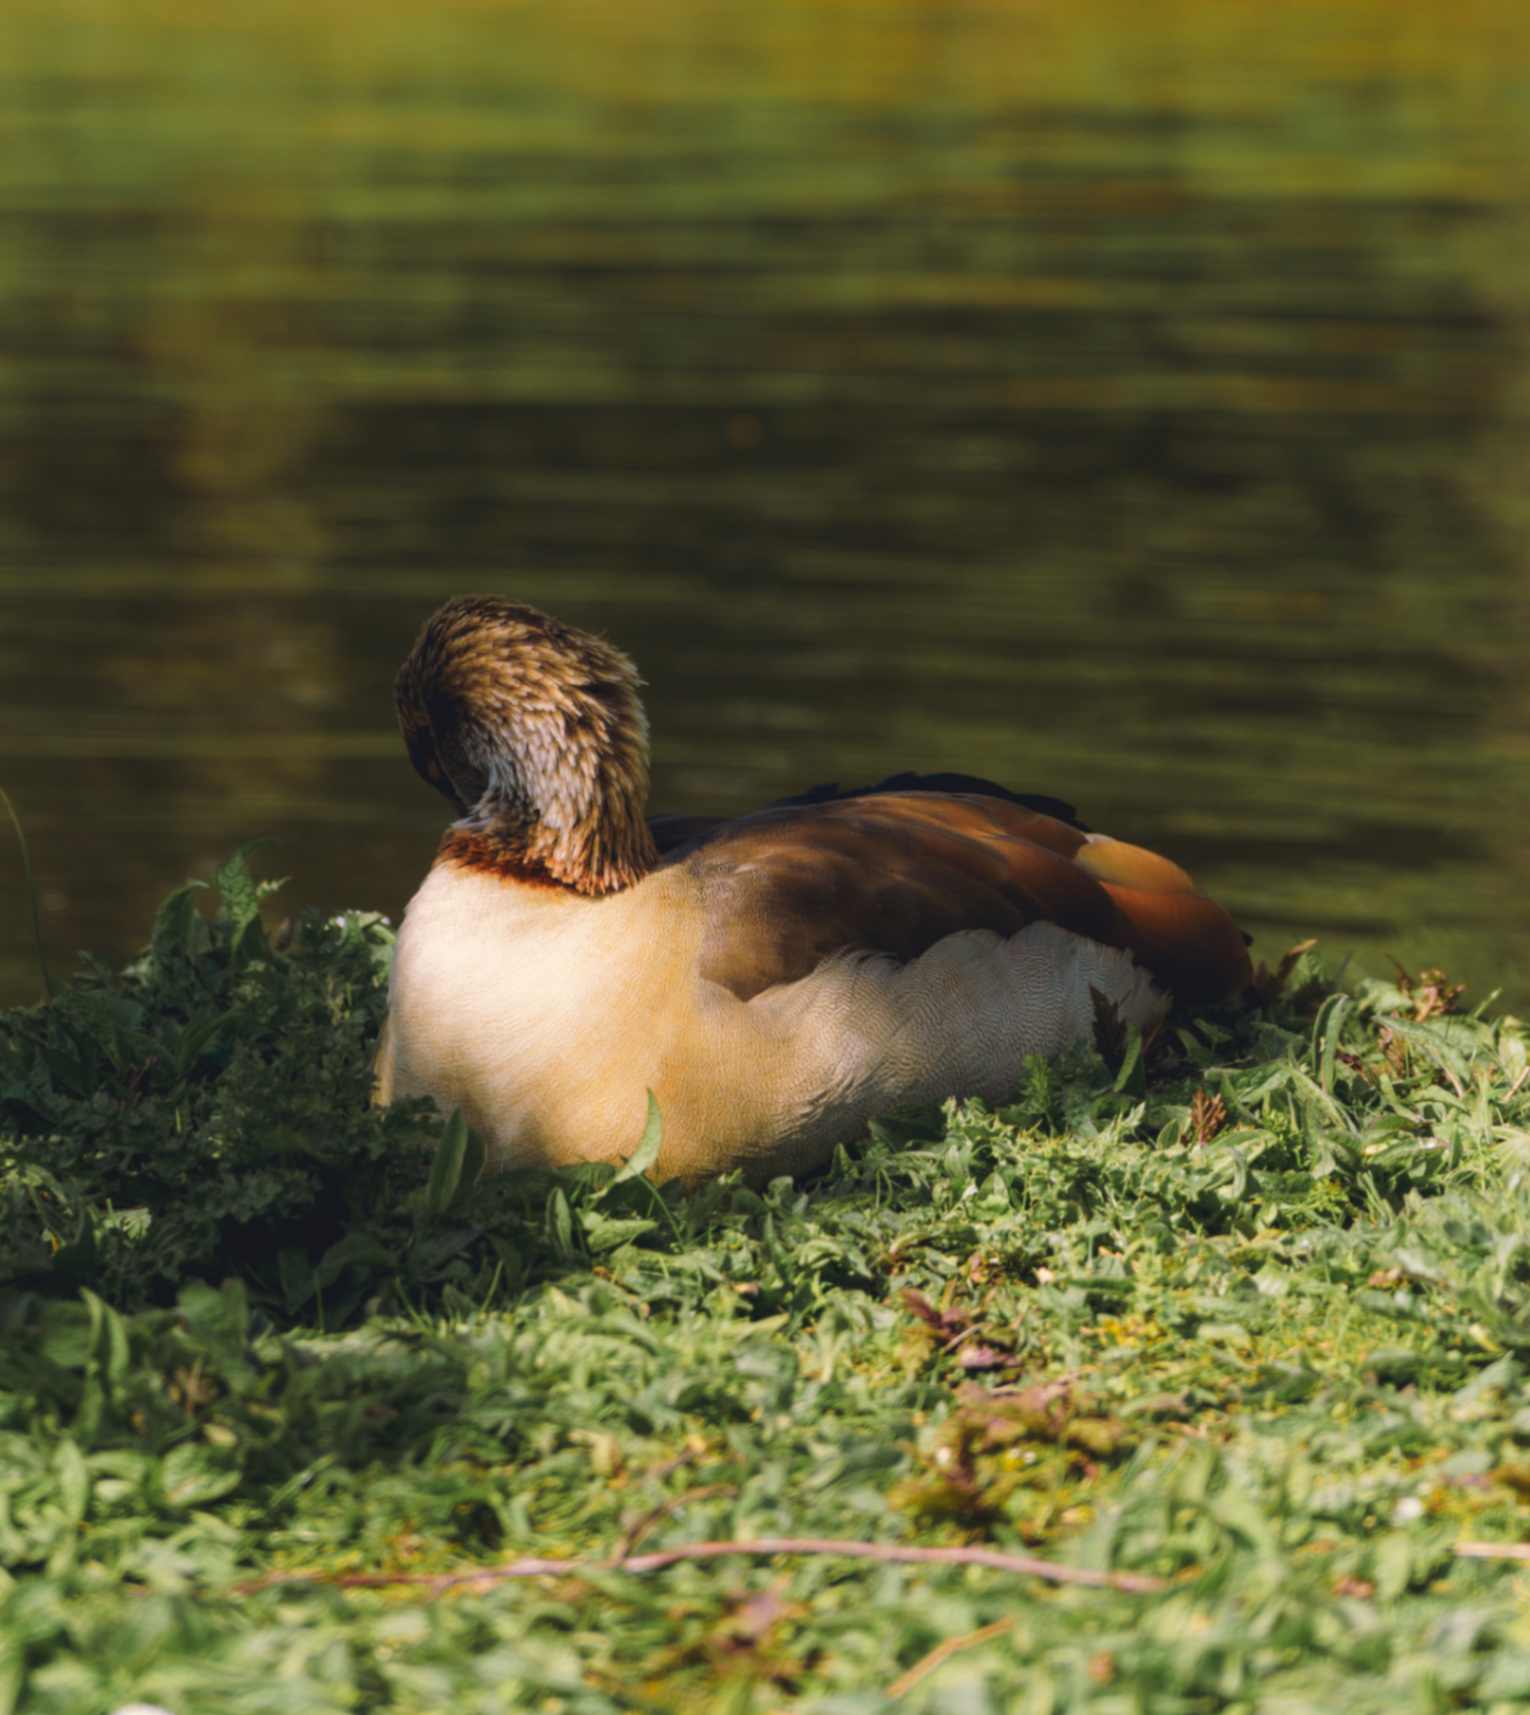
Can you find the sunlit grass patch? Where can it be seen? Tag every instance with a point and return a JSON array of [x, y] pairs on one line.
[[1248, 1316]]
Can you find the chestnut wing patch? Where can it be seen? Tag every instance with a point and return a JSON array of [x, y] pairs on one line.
[[786, 888]]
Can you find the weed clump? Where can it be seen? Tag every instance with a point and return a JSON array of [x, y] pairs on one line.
[[202, 1113]]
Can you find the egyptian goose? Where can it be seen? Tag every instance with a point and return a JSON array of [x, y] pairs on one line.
[[776, 979]]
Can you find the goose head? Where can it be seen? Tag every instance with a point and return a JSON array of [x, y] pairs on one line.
[[535, 733]]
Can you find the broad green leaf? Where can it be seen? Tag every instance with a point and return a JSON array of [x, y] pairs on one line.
[[354, 1248], [249, 943], [604, 1232], [72, 1480], [12, 1673], [647, 1151], [192, 1474], [238, 890], [195, 1039], [179, 928], [109, 1337], [1327, 1030], [560, 1221], [296, 1275], [446, 1168], [1131, 1078]]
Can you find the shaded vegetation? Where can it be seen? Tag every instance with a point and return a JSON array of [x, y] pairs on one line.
[[1250, 1313]]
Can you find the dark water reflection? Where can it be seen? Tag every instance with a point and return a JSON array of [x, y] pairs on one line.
[[1127, 405]]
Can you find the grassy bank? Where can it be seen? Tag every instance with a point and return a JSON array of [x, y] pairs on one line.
[[1250, 1322]]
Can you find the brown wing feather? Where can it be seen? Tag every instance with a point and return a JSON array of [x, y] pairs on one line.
[[786, 888]]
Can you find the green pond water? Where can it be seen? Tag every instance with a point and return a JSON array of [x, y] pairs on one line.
[[1129, 403]]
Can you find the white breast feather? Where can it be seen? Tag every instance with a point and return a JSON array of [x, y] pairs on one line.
[[548, 1019]]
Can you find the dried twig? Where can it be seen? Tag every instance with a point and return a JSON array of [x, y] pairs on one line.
[[1493, 1550], [644, 1522], [1135, 1583], [943, 1651]]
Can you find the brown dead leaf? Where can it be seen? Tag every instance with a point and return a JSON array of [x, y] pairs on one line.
[[1270, 983], [752, 1618], [1208, 1114], [1394, 1050], [192, 1390], [1431, 991], [975, 1358], [945, 1323], [956, 1328], [1045, 1411]]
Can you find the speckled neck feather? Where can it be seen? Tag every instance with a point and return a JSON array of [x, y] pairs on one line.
[[534, 731]]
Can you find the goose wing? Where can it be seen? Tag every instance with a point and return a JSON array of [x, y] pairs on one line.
[[894, 872]]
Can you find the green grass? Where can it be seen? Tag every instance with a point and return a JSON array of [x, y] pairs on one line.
[[1252, 1317]]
